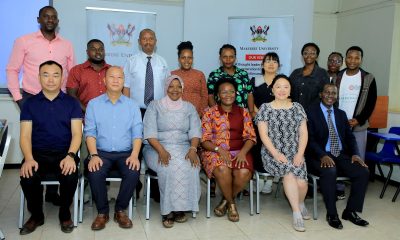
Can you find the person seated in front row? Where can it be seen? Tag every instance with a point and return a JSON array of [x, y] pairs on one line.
[[332, 150], [172, 128], [283, 131], [51, 132], [228, 136], [113, 130]]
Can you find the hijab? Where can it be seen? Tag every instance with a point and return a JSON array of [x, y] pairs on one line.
[[166, 101]]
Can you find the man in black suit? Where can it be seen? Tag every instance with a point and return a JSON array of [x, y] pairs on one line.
[[332, 149]]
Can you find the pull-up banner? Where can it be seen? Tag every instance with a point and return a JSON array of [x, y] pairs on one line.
[[253, 37], [119, 30]]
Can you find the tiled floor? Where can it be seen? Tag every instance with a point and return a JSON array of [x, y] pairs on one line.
[[274, 222]]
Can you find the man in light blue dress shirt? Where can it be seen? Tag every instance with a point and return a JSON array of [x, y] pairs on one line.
[[113, 130]]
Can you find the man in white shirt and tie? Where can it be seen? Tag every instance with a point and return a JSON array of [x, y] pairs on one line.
[[145, 74]]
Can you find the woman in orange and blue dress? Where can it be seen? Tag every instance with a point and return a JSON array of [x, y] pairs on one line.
[[227, 138]]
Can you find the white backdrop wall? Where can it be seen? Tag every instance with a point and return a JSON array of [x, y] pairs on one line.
[[169, 24], [206, 21]]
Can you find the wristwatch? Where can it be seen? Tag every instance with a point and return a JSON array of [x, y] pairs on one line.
[[72, 155], [216, 149], [93, 155]]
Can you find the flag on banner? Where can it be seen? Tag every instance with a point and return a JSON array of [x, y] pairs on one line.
[[253, 37], [119, 31]]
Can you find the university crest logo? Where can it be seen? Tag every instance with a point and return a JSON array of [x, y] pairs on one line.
[[119, 35], [259, 34]]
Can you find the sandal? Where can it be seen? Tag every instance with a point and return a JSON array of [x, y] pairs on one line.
[[233, 214], [180, 217], [304, 213], [168, 220], [298, 224], [220, 210]]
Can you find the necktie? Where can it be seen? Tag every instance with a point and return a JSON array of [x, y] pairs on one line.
[[149, 83], [335, 150]]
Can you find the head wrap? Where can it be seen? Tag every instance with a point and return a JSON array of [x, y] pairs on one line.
[[166, 101]]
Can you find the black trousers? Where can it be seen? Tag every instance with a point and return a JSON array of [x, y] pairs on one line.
[[97, 181], [49, 169], [358, 176]]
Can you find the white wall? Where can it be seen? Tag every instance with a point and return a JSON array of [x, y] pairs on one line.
[[371, 28], [206, 21], [169, 24]]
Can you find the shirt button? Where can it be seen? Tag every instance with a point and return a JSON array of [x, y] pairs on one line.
[[301, 94], [302, 83]]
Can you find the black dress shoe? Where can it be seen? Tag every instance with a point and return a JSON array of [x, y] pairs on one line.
[[30, 226], [334, 221], [354, 218], [67, 226]]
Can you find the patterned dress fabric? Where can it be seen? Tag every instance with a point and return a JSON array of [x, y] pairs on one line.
[[228, 131], [283, 130], [179, 182], [240, 77], [195, 88]]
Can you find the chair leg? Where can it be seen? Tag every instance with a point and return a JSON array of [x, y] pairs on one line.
[[315, 210], [21, 209], [387, 180], [130, 208], [278, 188], [194, 214], [147, 197], [76, 196], [251, 198], [257, 193], [208, 198], [134, 198], [380, 170], [82, 190], [396, 194]]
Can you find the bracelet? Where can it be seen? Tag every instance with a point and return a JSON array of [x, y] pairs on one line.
[[194, 148]]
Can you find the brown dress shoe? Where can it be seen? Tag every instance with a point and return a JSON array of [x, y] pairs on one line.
[[67, 226], [30, 226], [122, 219], [100, 221]]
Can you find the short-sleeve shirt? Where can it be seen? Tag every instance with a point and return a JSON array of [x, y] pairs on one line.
[[88, 82], [240, 77], [51, 120]]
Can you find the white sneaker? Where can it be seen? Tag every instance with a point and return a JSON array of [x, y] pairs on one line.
[[267, 187], [260, 185]]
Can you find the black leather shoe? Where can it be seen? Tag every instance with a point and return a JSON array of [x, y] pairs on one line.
[[67, 226], [31, 226], [354, 218], [334, 221]]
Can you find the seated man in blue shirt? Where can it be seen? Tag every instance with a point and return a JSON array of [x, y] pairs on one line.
[[113, 130], [332, 149], [51, 132]]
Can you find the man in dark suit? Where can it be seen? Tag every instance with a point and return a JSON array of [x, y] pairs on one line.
[[332, 149]]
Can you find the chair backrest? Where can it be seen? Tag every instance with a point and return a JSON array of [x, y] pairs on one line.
[[395, 130], [390, 147]]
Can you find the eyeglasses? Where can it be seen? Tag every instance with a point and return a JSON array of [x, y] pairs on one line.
[[335, 61], [305, 54]]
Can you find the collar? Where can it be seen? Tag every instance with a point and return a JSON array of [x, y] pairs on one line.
[[41, 95], [221, 69], [324, 108], [87, 64], [235, 109], [39, 34], [144, 55], [121, 98]]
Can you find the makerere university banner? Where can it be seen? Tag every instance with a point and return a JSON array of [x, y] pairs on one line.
[[253, 37], [119, 30]]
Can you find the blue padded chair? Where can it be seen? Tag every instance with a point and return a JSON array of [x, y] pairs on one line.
[[389, 155]]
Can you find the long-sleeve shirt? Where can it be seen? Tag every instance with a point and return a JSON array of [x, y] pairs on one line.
[[28, 53], [115, 126]]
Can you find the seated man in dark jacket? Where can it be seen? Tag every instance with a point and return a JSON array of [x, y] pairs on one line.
[[332, 148]]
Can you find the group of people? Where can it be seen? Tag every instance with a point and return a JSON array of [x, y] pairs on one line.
[[229, 125]]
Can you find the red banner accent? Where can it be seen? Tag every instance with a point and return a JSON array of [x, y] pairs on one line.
[[254, 57]]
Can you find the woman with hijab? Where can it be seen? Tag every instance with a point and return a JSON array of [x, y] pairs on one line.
[[172, 129]]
